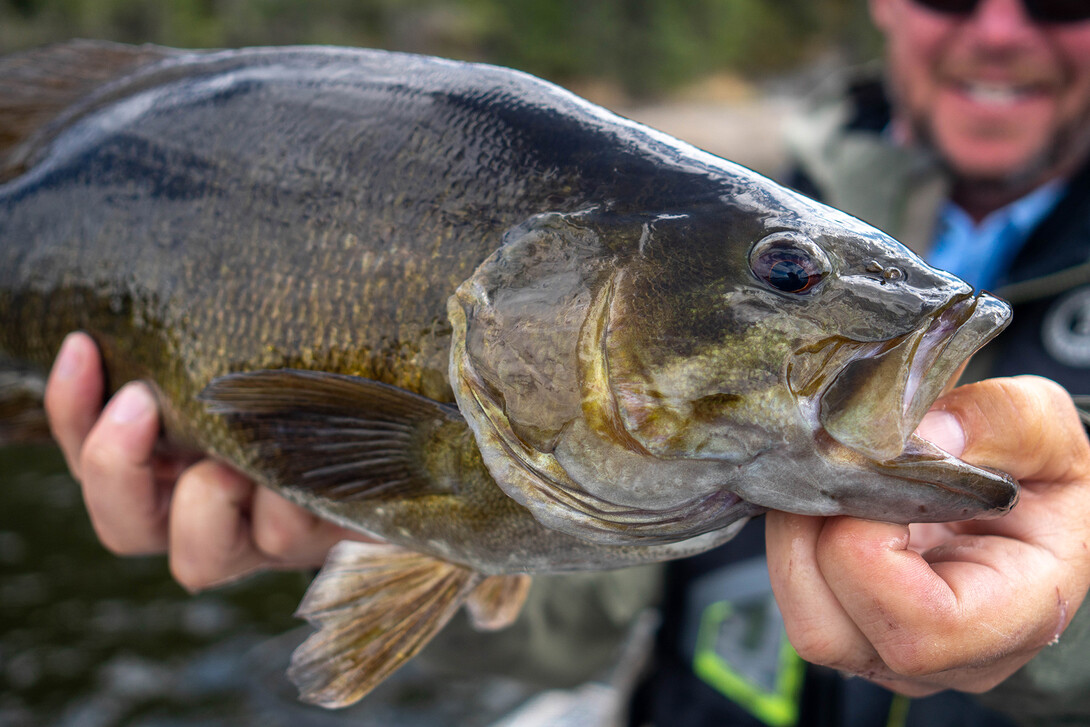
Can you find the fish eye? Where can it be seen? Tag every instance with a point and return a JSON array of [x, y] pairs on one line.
[[789, 262]]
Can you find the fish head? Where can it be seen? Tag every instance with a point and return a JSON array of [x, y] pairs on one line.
[[640, 376], [802, 346]]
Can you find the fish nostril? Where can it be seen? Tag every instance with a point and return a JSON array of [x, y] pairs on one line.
[[891, 274]]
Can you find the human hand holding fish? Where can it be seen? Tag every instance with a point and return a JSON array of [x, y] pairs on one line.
[[215, 525], [917, 608], [961, 605]]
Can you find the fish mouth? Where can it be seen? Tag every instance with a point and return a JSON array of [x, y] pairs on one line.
[[864, 400]]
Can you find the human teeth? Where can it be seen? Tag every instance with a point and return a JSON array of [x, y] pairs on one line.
[[993, 93]]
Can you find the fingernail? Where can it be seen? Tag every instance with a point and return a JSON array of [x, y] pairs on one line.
[[943, 429], [132, 402], [69, 358]]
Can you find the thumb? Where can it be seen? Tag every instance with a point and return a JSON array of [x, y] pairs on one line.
[[1026, 426]]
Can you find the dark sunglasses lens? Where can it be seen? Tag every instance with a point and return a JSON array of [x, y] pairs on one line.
[[952, 7], [1044, 11], [1058, 11]]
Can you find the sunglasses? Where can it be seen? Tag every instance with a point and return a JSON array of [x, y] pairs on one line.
[[1042, 11]]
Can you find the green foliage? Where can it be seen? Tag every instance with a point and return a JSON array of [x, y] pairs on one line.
[[645, 46]]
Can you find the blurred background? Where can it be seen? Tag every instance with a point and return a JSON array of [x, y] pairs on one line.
[[708, 61], [90, 640], [645, 48]]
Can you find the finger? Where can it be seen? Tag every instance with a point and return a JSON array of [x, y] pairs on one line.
[[127, 506], [817, 625], [821, 630], [73, 395], [1026, 426], [969, 612], [210, 539], [290, 535], [925, 536], [924, 618]]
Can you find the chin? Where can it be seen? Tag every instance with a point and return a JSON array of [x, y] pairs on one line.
[[1000, 168]]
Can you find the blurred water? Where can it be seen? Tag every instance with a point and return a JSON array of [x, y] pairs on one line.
[[91, 640]]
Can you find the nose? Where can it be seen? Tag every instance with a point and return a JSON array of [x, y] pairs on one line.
[[1000, 22]]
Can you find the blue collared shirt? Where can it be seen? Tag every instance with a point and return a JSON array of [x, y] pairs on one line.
[[982, 254]]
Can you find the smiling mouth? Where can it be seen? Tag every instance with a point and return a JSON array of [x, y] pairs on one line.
[[870, 396], [1000, 94], [1000, 84]]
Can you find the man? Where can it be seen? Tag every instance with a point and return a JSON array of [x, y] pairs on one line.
[[998, 91]]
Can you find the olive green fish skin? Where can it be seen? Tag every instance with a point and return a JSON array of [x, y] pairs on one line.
[[316, 208], [309, 208], [227, 208]]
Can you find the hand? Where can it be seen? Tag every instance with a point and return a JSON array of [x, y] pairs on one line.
[[215, 524], [960, 605]]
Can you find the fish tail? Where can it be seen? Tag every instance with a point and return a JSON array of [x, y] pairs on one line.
[[37, 86], [375, 606]]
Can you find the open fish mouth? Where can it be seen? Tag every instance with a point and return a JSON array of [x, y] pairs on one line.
[[864, 400]]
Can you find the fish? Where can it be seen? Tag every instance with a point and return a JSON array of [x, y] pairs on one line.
[[462, 311]]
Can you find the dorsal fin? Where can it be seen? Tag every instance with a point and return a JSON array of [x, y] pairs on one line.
[[38, 85]]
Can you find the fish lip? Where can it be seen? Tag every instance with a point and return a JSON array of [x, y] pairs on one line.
[[967, 491], [935, 485], [933, 354], [946, 346], [870, 396], [944, 486]]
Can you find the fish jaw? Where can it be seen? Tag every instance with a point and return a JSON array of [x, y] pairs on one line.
[[922, 484], [946, 488], [865, 400]]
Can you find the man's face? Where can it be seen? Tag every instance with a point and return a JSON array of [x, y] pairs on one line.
[[1003, 98]]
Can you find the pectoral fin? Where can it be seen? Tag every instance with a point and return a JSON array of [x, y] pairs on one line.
[[342, 437], [375, 606]]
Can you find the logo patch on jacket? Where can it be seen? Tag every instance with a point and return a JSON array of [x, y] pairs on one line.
[[1065, 330]]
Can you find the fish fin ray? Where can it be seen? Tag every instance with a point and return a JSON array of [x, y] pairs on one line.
[[375, 606], [342, 437], [38, 85], [497, 601]]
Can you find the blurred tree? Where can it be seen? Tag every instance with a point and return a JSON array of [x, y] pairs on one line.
[[645, 46]]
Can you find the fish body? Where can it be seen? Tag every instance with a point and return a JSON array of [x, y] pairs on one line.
[[459, 309]]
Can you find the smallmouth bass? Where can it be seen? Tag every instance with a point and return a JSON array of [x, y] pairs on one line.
[[458, 309]]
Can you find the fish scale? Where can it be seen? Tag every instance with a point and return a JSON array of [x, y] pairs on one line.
[[461, 310]]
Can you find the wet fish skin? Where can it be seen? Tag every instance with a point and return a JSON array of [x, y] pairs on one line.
[[457, 308], [202, 247]]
